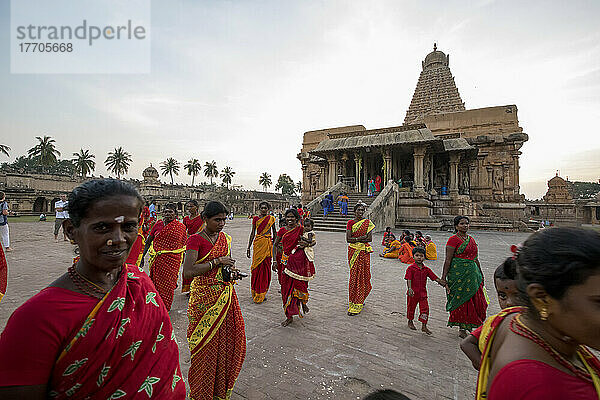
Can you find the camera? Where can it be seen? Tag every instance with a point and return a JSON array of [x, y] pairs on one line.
[[226, 271]]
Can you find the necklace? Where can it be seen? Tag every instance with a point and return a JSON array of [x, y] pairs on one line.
[[209, 239], [519, 327], [85, 285]]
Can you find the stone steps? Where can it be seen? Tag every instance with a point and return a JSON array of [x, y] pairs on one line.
[[335, 222]]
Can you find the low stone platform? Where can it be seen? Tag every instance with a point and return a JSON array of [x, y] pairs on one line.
[[326, 355]]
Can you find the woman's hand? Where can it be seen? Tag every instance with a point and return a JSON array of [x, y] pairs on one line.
[[411, 292], [225, 261], [234, 274]]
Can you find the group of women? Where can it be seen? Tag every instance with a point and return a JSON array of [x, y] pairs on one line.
[[114, 338]]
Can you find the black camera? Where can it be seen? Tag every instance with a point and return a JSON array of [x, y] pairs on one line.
[[226, 271]]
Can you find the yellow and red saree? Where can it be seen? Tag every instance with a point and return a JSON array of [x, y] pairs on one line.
[[216, 334], [261, 258], [359, 260], [166, 255], [125, 349], [193, 225], [3, 273]]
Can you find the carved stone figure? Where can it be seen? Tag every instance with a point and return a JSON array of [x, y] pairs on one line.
[[498, 179]]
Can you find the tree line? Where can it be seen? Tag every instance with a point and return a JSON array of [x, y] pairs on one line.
[[44, 158]]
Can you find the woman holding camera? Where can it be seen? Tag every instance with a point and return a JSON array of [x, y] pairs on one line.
[[216, 333]]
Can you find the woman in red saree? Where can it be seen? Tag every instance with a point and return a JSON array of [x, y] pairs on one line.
[[359, 233], [262, 227], [137, 249], [216, 334], [541, 352], [3, 273], [193, 224], [296, 270], [100, 330], [466, 299], [166, 243]]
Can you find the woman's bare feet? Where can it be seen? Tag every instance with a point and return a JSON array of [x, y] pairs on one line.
[[411, 326], [424, 329], [305, 308], [287, 322], [351, 314], [462, 333]]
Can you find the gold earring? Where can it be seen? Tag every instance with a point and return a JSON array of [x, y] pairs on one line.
[[543, 314], [72, 241]]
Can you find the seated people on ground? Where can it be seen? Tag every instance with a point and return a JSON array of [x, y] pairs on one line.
[[430, 249]]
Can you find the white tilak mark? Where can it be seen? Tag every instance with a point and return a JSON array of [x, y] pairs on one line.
[[120, 219]]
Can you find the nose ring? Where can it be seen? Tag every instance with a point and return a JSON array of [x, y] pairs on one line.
[[109, 242]]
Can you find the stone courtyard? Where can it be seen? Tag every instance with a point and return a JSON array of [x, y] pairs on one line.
[[326, 355]]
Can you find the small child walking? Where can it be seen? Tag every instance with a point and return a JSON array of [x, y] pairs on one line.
[[416, 280]]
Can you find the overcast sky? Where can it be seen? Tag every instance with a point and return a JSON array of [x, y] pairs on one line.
[[239, 82]]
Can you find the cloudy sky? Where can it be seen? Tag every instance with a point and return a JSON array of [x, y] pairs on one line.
[[238, 82]]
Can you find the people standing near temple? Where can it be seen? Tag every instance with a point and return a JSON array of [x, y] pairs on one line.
[[371, 188], [193, 224], [378, 183], [166, 243], [359, 234], [61, 216], [216, 335], [100, 330], [152, 209], [466, 300], [541, 352], [326, 204], [344, 203], [295, 267], [261, 238], [4, 231]]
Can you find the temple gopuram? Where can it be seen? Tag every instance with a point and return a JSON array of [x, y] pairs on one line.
[[444, 160]]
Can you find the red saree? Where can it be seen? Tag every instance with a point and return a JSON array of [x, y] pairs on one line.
[[166, 254], [3, 273], [359, 260], [137, 249], [296, 273], [261, 258], [125, 349], [193, 226], [216, 334]]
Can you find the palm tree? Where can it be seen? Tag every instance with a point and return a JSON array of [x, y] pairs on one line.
[[193, 168], [210, 170], [265, 180], [170, 167], [226, 174], [4, 149], [44, 153], [118, 161], [83, 162]]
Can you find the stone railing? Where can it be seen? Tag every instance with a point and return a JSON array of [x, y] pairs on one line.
[[382, 212], [315, 205]]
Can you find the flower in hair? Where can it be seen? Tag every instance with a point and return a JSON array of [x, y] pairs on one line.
[[515, 249]]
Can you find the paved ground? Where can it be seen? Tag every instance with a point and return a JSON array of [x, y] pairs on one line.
[[327, 355]]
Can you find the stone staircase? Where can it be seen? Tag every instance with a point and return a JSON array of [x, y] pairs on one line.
[[335, 222]]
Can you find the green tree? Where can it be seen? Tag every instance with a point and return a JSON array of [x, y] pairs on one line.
[[265, 180], [63, 167], [227, 174], [299, 187], [286, 184], [193, 168], [44, 153], [210, 170], [118, 161], [4, 149], [83, 162], [169, 167]]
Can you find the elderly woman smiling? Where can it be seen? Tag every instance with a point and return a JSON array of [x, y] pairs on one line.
[[100, 330]]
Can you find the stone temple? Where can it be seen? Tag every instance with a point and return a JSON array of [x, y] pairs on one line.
[[444, 160]]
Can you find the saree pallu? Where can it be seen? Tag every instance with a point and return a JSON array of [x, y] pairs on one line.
[[3, 273], [195, 225], [359, 260], [125, 348], [216, 334], [466, 301], [166, 255], [261, 259]]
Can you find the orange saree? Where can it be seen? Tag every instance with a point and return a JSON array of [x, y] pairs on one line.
[[216, 334], [261, 258], [359, 260]]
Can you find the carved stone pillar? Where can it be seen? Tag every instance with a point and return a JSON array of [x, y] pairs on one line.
[[333, 171], [454, 159], [357, 162], [418, 156], [305, 183], [387, 164], [322, 178], [515, 157]]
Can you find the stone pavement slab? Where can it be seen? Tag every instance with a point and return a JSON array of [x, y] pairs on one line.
[[327, 354]]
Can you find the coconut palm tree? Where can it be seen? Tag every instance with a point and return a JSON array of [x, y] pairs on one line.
[[83, 162], [4, 149], [226, 174], [118, 161], [44, 153], [210, 170], [265, 180], [193, 168], [169, 167]]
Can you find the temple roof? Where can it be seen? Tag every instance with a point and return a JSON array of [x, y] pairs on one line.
[[436, 91]]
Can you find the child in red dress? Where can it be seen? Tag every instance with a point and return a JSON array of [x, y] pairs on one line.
[[416, 279]]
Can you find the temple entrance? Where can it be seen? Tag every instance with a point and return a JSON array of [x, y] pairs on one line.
[[40, 205]]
